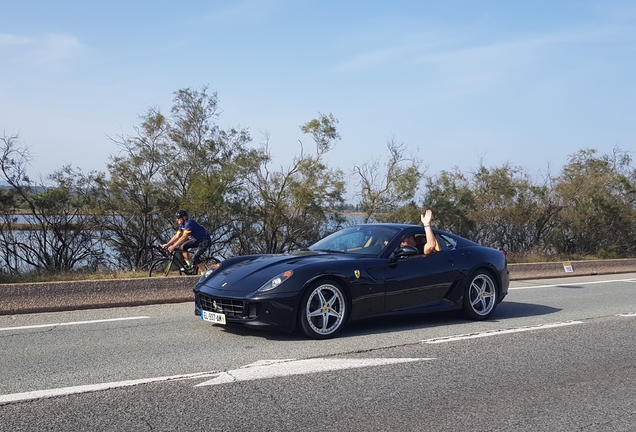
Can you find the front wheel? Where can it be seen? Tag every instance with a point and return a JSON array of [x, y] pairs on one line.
[[164, 267], [480, 297], [323, 310]]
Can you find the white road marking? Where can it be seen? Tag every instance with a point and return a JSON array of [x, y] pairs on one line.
[[570, 284], [72, 323], [258, 370], [628, 315], [280, 368], [497, 332], [39, 394]]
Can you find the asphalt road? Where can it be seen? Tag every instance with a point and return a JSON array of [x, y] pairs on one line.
[[558, 355]]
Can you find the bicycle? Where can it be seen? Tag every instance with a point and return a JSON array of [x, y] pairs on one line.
[[173, 264]]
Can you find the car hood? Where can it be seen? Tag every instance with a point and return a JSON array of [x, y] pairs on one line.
[[246, 275]]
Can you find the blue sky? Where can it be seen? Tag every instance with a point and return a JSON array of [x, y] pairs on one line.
[[458, 82]]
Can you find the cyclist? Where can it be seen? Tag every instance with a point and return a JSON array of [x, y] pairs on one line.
[[190, 236]]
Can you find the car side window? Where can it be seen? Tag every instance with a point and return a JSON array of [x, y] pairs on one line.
[[445, 242]]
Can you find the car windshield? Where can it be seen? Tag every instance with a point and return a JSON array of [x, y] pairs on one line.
[[362, 239]]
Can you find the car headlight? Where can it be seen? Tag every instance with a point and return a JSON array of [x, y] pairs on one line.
[[276, 281]]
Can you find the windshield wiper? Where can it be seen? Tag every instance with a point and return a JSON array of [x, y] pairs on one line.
[[330, 250]]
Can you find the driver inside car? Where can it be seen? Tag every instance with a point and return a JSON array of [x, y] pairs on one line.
[[430, 244]]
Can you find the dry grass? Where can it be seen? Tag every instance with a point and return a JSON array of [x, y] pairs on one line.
[[70, 276]]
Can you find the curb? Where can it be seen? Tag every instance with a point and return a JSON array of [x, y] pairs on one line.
[[75, 295], [570, 268]]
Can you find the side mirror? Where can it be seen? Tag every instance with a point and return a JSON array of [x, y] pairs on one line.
[[405, 251]]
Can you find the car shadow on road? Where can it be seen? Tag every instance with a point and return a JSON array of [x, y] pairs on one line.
[[505, 310], [240, 330], [508, 309]]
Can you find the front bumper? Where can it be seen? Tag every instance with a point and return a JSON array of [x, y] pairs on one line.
[[277, 313]]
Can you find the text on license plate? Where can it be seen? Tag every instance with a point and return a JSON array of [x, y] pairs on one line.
[[213, 317]]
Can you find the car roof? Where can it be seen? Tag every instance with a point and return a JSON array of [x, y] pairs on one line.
[[392, 225], [405, 226]]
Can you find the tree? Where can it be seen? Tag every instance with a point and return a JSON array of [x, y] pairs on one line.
[[182, 161], [297, 205], [507, 208], [598, 194], [135, 194], [208, 168], [452, 199], [57, 232], [384, 192], [192, 130]]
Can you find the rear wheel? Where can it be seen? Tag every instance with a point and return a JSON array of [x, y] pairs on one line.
[[323, 310], [480, 298], [164, 267]]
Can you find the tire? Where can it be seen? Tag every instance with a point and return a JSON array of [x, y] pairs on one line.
[[323, 310], [163, 267], [480, 296]]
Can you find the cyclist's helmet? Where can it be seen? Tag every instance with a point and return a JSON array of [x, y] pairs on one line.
[[182, 214]]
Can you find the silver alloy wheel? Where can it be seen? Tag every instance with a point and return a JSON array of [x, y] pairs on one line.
[[325, 309], [482, 294]]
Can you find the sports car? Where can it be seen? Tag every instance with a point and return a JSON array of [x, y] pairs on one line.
[[358, 272]]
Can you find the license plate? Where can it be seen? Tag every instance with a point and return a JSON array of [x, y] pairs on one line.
[[213, 317]]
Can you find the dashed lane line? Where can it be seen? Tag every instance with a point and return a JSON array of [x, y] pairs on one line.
[[498, 332], [72, 323], [64, 391], [570, 284]]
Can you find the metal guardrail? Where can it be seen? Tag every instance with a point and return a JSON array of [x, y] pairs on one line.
[[59, 296]]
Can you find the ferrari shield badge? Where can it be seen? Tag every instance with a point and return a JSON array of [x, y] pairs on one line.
[[357, 273]]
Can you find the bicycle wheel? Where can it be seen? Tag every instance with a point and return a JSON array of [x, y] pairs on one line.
[[164, 267]]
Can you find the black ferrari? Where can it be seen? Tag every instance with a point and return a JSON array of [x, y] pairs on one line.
[[358, 272]]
